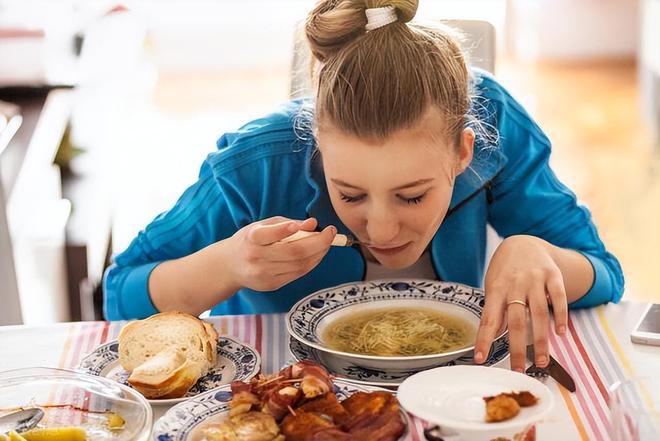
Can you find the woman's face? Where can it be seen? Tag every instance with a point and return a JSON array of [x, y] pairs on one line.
[[394, 194]]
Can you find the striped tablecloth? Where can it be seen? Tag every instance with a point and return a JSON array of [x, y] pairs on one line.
[[597, 352]]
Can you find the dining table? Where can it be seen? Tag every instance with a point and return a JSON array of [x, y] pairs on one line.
[[596, 351]]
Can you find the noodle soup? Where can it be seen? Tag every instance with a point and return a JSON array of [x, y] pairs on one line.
[[396, 332]]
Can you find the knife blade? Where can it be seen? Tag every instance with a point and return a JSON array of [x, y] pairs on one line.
[[555, 370]]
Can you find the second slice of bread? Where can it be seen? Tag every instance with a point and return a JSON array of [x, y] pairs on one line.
[[168, 374]]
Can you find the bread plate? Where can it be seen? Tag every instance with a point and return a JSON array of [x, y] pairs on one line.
[[236, 361]]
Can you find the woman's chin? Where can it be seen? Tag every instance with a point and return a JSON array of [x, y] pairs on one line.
[[397, 262]]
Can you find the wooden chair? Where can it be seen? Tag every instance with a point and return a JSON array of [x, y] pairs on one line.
[[479, 43]]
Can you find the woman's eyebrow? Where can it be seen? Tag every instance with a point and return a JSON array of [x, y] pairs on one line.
[[401, 187]]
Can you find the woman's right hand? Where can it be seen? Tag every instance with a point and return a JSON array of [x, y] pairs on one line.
[[260, 262]]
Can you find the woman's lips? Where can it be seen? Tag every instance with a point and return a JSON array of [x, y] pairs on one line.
[[389, 251]]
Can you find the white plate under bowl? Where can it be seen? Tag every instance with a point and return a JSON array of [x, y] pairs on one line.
[[345, 370], [236, 361], [309, 317], [180, 421], [452, 397]]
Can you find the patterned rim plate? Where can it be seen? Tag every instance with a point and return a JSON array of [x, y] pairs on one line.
[[236, 361], [308, 317], [345, 370], [179, 421]]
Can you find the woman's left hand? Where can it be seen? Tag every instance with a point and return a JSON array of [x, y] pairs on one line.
[[522, 274]]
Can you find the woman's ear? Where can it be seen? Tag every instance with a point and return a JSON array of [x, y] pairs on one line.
[[465, 150]]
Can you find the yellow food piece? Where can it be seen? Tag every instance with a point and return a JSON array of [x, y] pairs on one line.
[[56, 434], [115, 422], [13, 436], [4, 437]]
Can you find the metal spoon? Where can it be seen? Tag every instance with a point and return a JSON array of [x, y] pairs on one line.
[[21, 421], [437, 433]]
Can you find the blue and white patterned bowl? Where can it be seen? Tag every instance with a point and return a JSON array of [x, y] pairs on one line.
[[308, 318], [345, 370], [180, 421], [236, 361]]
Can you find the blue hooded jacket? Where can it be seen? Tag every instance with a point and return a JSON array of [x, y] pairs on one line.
[[266, 168]]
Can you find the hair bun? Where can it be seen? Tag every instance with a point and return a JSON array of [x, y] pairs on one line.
[[334, 23], [405, 9]]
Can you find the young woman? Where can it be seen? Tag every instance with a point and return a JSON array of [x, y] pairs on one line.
[[403, 147]]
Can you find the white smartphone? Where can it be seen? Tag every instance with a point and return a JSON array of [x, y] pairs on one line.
[[647, 331]]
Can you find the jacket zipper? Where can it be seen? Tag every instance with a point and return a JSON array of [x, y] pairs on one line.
[[488, 187]]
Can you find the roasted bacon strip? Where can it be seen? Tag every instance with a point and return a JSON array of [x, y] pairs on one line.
[[330, 435], [278, 401], [301, 395], [383, 427], [373, 416], [242, 398], [304, 425], [314, 379], [363, 405], [327, 405]]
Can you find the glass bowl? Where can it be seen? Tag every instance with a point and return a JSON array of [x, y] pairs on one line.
[[70, 398], [635, 409]]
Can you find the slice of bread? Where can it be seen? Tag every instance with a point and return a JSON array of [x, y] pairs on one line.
[[166, 352], [143, 339], [168, 374], [213, 340]]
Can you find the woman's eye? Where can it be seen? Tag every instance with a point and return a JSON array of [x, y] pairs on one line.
[[414, 200], [347, 198]]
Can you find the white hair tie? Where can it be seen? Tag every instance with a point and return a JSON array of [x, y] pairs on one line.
[[379, 17]]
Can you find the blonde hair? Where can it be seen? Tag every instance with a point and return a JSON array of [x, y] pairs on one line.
[[371, 84]]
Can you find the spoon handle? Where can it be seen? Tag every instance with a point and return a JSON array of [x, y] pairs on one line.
[[340, 240]]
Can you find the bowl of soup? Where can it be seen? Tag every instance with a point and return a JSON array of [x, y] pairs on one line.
[[392, 325]]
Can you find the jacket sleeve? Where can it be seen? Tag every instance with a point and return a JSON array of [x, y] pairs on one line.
[[527, 198], [199, 218]]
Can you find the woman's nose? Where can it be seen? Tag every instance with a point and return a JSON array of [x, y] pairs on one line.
[[382, 227]]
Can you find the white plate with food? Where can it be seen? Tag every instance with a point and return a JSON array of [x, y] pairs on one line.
[[298, 401], [477, 402], [345, 370], [393, 325], [170, 357]]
